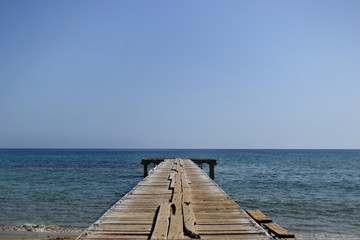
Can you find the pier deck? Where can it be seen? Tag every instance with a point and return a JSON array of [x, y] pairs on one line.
[[177, 200]]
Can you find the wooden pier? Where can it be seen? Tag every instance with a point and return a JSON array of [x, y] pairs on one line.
[[198, 161], [177, 200]]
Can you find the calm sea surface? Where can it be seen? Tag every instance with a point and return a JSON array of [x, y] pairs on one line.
[[313, 193]]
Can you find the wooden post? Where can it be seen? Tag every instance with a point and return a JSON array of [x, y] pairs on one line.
[[147, 161], [145, 170], [211, 170]]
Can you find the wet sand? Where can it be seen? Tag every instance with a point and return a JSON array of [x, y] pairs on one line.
[[38, 232], [17, 235], [36, 238]]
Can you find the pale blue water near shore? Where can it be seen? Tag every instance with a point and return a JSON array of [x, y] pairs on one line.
[[313, 193]]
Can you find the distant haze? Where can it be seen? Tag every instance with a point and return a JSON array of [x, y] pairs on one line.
[[180, 74]]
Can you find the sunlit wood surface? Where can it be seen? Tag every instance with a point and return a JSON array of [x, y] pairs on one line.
[[177, 200]]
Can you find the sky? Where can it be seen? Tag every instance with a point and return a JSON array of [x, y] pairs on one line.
[[180, 74]]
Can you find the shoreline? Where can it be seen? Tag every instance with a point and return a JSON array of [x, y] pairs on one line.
[[26, 235], [38, 232]]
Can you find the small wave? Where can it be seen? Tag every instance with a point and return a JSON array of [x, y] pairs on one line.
[[43, 229]]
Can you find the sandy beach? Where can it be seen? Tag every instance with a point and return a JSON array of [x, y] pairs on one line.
[[36, 238], [26, 236], [38, 232]]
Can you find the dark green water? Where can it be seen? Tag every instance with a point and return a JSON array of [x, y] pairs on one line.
[[313, 193]]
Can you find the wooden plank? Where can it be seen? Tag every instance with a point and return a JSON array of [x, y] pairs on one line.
[[258, 216], [176, 218], [122, 227], [113, 233], [171, 176], [229, 232], [278, 230], [122, 237], [188, 213], [233, 236], [222, 221], [226, 227], [162, 222], [172, 184]]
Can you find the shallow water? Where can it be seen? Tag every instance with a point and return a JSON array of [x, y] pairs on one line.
[[313, 193]]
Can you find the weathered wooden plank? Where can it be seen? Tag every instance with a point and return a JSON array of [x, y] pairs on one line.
[[171, 176], [234, 236], [176, 221], [120, 232], [120, 221], [278, 230], [225, 227], [172, 183], [122, 227], [188, 214], [162, 222], [258, 216], [189, 221], [222, 221], [186, 191], [122, 237]]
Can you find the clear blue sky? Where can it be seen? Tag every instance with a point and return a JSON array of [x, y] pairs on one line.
[[180, 74]]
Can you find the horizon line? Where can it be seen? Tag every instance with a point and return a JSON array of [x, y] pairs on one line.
[[138, 148]]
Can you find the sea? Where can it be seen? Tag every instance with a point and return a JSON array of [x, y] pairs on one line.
[[313, 193]]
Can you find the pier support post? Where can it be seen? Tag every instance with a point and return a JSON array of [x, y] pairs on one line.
[[210, 162], [147, 161], [211, 169], [145, 169]]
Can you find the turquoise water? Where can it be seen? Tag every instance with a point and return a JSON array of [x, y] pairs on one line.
[[313, 193]]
